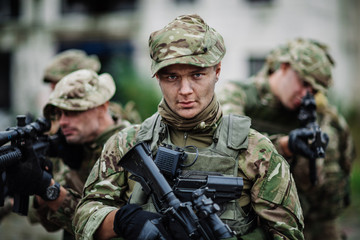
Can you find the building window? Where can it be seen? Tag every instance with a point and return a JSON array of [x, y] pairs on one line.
[[255, 64], [9, 10], [5, 80], [116, 58], [96, 6]]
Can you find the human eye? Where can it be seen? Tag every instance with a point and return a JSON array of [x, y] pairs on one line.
[[170, 77], [198, 75], [72, 113]]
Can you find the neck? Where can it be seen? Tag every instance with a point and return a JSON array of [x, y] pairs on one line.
[[104, 123]]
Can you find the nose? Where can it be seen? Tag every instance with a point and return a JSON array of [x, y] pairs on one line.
[[63, 120], [185, 86]]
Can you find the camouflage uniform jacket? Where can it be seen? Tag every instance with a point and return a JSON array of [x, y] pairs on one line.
[[73, 181], [330, 195], [268, 186]]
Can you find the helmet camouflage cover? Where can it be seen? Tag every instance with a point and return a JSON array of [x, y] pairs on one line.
[[80, 91], [309, 58], [69, 61], [186, 40]]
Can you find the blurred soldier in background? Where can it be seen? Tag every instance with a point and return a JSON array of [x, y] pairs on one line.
[[74, 59], [272, 99], [67, 62], [61, 65], [80, 103]]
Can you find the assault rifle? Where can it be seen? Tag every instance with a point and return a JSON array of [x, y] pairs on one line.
[[307, 118], [27, 143], [198, 216]]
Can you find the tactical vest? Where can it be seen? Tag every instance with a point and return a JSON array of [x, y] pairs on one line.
[[229, 140]]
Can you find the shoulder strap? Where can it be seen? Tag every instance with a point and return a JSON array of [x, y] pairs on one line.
[[232, 134]]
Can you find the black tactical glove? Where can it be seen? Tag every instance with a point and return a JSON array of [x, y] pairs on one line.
[[28, 177], [299, 142], [71, 154], [131, 222]]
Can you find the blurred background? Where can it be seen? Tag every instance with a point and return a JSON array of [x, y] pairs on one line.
[[33, 31]]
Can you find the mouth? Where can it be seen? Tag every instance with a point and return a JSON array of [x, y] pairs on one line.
[[68, 131], [297, 102], [186, 104]]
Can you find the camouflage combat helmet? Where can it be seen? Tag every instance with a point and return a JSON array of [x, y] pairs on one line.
[[186, 40], [79, 91], [68, 62], [309, 58]]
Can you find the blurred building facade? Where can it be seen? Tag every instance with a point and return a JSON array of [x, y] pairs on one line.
[[32, 31]]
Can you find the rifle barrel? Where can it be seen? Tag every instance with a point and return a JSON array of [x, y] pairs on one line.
[[6, 136]]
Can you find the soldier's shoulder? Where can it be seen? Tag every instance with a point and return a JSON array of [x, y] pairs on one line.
[[260, 142], [331, 115]]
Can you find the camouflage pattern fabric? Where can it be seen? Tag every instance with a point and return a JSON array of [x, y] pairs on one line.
[[323, 203], [127, 112], [73, 180], [307, 57], [80, 91], [268, 186], [69, 61], [186, 40]]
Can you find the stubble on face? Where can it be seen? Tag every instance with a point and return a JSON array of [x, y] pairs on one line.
[[82, 127]]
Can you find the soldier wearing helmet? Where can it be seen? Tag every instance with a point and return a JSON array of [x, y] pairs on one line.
[[186, 61], [72, 60], [67, 62], [272, 99], [80, 103]]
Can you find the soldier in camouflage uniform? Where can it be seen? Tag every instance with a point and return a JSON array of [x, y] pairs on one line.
[[186, 60], [71, 60], [80, 103], [272, 99], [67, 62]]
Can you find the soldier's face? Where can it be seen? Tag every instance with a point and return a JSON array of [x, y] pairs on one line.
[[188, 89], [291, 88], [80, 126]]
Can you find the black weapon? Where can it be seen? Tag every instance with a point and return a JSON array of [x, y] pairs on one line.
[[203, 223], [217, 187], [307, 118], [27, 143]]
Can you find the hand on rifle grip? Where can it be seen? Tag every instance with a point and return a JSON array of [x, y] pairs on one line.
[[28, 177], [298, 142], [131, 222]]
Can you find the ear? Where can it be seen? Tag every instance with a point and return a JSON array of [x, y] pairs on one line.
[[218, 70], [157, 77], [104, 107]]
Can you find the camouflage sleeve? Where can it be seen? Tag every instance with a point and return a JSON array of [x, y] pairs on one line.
[[273, 193], [232, 98], [54, 220], [107, 187]]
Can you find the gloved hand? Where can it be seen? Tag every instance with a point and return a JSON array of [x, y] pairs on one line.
[[71, 154], [131, 222], [298, 142], [28, 177]]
